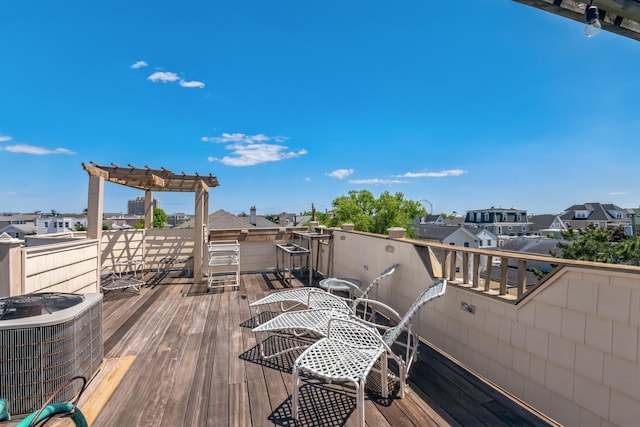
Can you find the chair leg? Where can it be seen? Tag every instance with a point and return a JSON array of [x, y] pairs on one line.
[[384, 379], [360, 386], [295, 397], [402, 372]]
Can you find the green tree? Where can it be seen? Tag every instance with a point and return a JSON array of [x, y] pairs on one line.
[[159, 218], [321, 217], [79, 227], [367, 213], [273, 218], [596, 244]]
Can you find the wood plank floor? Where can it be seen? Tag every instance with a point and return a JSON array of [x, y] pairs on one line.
[[196, 364]]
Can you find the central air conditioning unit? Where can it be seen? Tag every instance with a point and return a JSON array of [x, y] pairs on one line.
[[45, 340]]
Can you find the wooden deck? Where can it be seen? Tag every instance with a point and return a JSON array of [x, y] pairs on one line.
[[194, 362]]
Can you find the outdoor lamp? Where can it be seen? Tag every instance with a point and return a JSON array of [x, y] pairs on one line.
[[591, 17]]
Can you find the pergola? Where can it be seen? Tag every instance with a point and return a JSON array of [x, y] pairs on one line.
[[150, 180]]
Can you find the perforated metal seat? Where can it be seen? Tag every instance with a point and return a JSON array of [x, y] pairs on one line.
[[352, 347]]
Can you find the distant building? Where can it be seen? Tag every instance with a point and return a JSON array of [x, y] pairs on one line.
[[430, 219], [136, 206], [177, 219], [501, 222], [547, 225], [459, 236], [18, 231], [598, 214], [46, 224]]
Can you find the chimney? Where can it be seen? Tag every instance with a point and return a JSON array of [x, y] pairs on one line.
[[252, 215]]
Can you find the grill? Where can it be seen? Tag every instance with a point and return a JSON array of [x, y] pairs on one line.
[[45, 340]]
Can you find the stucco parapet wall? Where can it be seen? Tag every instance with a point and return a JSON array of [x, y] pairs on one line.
[[396, 232]]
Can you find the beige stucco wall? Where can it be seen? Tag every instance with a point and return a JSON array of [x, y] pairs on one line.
[[570, 349], [10, 267], [61, 267], [121, 245]]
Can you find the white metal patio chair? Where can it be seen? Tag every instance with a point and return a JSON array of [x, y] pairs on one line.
[[305, 325], [300, 296], [351, 348]]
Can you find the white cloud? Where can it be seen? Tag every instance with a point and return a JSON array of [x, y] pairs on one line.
[[254, 154], [376, 181], [193, 83], [5, 138], [340, 173], [30, 149], [8, 193], [618, 193], [440, 174], [249, 150], [243, 138], [139, 64], [163, 76]]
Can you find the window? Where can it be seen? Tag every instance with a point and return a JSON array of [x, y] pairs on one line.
[[489, 242], [518, 217], [478, 216], [59, 225], [66, 224], [486, 216], [510, 228], [466, 244], [479, 243], [505, 217], [46, 224]]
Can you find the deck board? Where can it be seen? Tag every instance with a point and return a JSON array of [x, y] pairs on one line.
[[196, 365]]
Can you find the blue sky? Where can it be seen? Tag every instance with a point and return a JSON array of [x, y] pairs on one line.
[[467, 105]]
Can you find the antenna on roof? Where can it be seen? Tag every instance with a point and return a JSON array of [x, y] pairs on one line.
[[147, 167], [131, 166], [114, 165]]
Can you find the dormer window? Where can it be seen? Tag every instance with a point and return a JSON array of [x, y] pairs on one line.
[[486, 216], [581, 214]]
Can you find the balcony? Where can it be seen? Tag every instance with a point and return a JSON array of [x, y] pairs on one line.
[[176, 354]]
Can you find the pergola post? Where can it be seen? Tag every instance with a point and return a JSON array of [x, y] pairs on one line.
[[95, 202], [199, 238], [148, 209], [95, 207]]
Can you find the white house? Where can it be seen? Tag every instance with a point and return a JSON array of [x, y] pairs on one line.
[[58, 224]]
